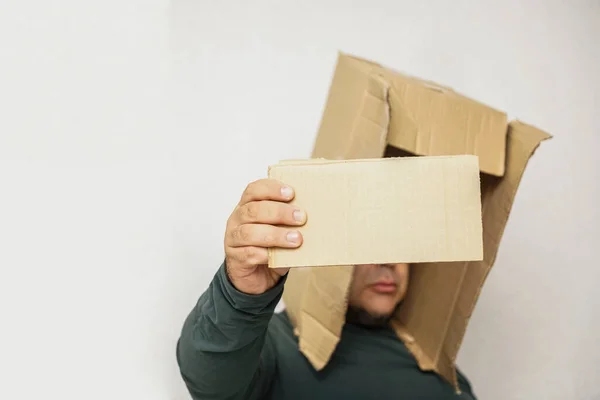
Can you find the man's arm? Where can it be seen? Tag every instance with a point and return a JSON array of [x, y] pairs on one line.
[[224, 351]]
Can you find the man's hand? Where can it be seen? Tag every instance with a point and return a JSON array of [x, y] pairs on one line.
[[251, 229]]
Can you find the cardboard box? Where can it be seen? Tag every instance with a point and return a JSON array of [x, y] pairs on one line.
[[386, 210], [374, 112]]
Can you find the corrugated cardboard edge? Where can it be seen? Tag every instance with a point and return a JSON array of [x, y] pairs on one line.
[[523, 140]]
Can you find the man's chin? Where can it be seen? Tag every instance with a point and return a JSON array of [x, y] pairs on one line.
[[361, 316]]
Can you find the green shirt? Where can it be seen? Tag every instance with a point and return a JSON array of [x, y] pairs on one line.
[[233, 346]]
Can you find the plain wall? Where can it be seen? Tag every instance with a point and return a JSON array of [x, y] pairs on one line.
[[129, 129]]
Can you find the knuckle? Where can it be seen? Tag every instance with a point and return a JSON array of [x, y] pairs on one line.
[[274, 213], [250, 255], [268, 238], [229, 232], [235, 234], [244, 233], [268, 213], [250, 211]]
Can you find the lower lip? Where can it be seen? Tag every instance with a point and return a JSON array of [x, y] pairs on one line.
[[384, 288]]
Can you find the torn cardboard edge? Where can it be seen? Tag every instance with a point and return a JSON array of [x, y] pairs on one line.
[[435, 313]]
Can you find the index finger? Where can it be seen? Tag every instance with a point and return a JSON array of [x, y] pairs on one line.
[[267, 189]]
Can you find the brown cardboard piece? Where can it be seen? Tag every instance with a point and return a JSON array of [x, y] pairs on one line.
[[368, 108], [354, 208]]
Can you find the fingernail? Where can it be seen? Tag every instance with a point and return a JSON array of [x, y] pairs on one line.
[[299, 215], [287, 192], [293, 237]]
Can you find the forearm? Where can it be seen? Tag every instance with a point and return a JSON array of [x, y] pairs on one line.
[[221, 351]]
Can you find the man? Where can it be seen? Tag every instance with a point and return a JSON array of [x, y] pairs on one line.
[[233, 346]]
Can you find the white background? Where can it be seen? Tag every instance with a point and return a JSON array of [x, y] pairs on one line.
[[128, 130]]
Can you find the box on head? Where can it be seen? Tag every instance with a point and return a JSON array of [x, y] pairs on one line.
[[373, 112]]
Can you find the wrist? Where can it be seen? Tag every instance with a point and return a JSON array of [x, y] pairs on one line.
[[249, 284]]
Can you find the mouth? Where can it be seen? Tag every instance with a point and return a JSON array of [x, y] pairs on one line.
[[384, 287]]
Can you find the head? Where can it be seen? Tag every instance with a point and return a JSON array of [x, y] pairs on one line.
[[375, 292]]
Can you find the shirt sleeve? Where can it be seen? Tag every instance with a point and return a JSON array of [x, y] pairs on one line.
[[224, 351]]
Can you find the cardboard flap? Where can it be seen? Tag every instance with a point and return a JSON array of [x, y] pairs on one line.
[[370, 127], [367, 102], [499, 194], [356, 118], [442, 297], [316, 299], [433, 120], [426, 311]]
